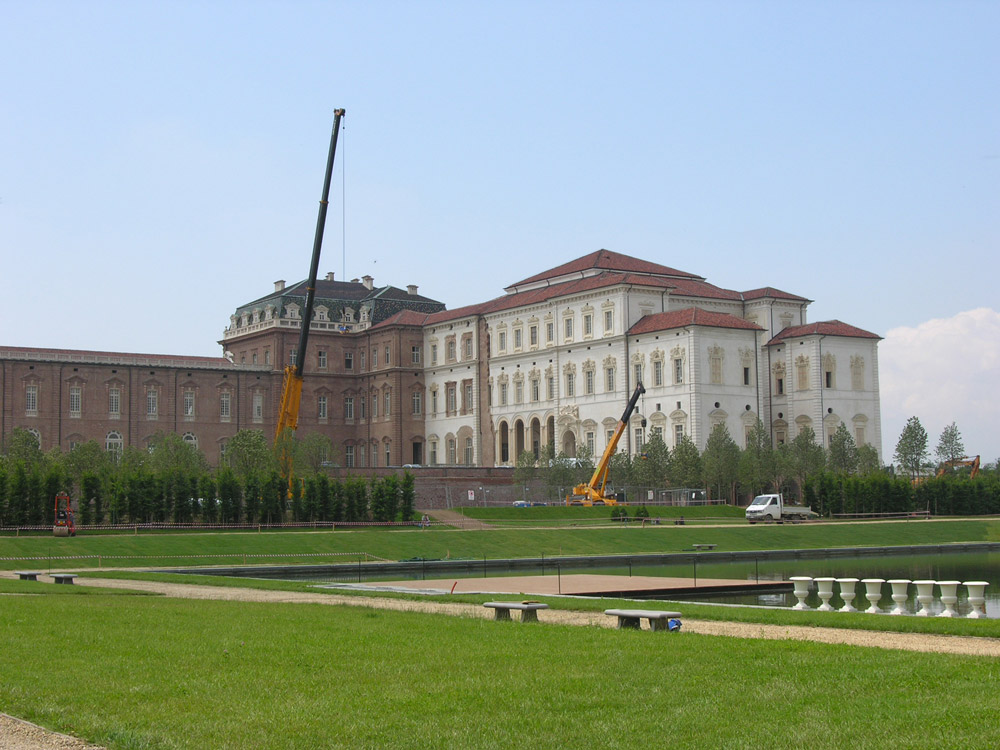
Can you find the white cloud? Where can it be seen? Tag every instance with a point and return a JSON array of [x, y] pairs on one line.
[[942, 371]]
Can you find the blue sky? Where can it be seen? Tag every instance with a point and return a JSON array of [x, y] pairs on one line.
[[161, 164]]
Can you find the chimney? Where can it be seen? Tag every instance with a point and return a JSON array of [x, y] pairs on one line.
[[368, 281], [329, 276], [411, 289], [279, 285]]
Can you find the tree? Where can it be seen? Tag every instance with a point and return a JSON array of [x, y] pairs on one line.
[[651, 466], [169, 452], [806, 457], [247, 453], [868, 461], [911, 449], [757, 460], [22, 446], [685, 464], [950, 448], [312, 452], [407, 497], [720, 463], [526, 469], [843, 451]]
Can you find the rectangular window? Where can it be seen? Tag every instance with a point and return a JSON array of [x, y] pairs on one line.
[[374, 359], [362, 406], [859, 436], [502, 341], [570, 384], [388, 395], [746, 376], [349, 456], [361, 456], [549, 333], [588, 325], [418, 403], [468, 398], [518, 392], [534, 390], [638, 438], [114, 403], [517, 338], [374, 454], [434, 354], [321, 407], [589, 382], [550, 388], [31, 400], [225, 406], [678, 371], [374, 406], [678, 434], [568, 328], [292, 356], [348, 360], [434, 402], [452, 399], [267, 356], [434, 453], [609, 436], [609, 379], [779, 386], [468, 348], [657, 372], [469, 455], [75, 400], [152, 403], [503, 394], [388, 456], [828, 379], [362, 361], [451, 452], [348, 407], [189, 403], [533, 335], [637, 373], [258, 407], [609, 321], [388, 360], [415, 355], [715, 365], [591, 443], [779, 437]]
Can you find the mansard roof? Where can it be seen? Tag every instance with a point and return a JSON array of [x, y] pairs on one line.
[[823, 328], [769, 292], [383, 301], [604, 260], [690, 316]]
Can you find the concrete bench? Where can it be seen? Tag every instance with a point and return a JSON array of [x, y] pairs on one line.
[[529, 610], [631, 618], [63, 577], [703, 547], [27, 575]]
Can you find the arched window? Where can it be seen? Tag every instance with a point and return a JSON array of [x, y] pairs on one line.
[[191, 439], [37, 434], [114, 444]]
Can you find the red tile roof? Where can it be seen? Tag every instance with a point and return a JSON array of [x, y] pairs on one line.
[[123, 358], [823, 328], [771, 292], [608, 261], [403, 318], [690, 316]]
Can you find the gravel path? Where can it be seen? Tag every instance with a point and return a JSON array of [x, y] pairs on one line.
[[19, 735]]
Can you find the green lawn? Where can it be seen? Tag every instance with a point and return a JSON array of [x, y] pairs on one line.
[[192, 548], [146, 672], [561, 512]]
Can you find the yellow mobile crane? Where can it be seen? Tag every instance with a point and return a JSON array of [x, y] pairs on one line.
[[291, 392], [592, 493]]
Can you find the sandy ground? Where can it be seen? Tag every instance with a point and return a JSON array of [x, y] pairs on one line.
[[18, 735]]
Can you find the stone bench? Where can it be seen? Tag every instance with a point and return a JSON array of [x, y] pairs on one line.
[[529, 610], [631, 618], [702, 547], [63, 577], [27, 575]]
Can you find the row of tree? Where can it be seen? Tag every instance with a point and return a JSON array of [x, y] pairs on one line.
[[172, 482], [730, 472]]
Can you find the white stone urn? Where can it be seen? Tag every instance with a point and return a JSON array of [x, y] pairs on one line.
[[949, 597], [873, 592], [847, 593], [824, 587], [900, 587], [801, 590], [925, 595], [977, 598]]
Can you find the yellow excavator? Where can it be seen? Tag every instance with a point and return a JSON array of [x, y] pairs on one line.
[[973, 462], [291, 392], [593, 493]]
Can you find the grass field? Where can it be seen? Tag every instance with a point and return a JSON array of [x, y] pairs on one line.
[[146, 672], [191, 548]]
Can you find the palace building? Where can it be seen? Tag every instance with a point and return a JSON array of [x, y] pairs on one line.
[[394, 378]]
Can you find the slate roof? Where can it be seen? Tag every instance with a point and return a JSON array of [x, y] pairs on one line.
[[690, 316], [823, 328]]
